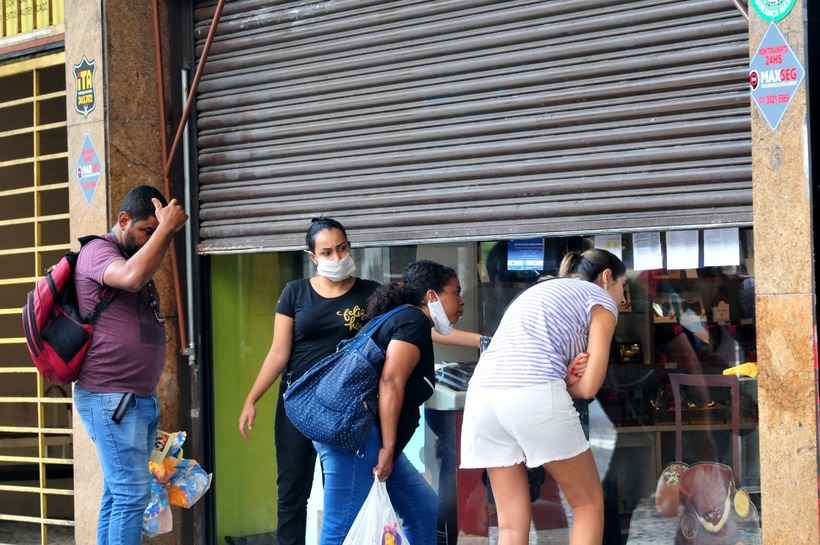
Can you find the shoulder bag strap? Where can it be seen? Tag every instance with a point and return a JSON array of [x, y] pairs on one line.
[[369, 329], [374, 324]]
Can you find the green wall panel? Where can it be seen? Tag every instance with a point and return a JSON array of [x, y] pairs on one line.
[[244, 291]]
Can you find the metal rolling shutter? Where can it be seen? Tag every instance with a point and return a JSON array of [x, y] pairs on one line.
[[415, 121]]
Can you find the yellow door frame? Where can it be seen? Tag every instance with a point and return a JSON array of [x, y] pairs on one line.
[[45, 436]]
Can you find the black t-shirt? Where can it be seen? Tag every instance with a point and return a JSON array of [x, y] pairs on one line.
[[412, 326], [319, 324]]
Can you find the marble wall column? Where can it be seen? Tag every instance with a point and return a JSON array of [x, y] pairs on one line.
[[124, 130], [785, 309]]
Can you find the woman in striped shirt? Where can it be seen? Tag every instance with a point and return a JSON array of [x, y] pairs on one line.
[[519, 412]]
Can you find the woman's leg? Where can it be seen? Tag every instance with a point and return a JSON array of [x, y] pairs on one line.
[[578, 479], [348, 479], [295, 459], [512, 501], [416, 503]]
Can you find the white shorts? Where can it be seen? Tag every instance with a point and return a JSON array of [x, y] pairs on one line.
[[507, 426]]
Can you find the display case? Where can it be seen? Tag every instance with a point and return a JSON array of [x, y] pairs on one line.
[[677, 334]]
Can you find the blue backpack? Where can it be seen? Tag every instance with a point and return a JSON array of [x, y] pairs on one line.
[[336, 401]]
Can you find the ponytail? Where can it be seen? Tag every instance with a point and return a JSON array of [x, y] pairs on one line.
[[590, 264], [569, 264]]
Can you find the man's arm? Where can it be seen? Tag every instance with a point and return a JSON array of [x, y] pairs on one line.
[[132, 274]]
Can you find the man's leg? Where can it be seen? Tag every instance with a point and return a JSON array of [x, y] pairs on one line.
[[89, 407], [105, 515], [295, 460], [124, 450]]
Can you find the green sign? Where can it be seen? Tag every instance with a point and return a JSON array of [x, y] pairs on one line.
[[773, 10]]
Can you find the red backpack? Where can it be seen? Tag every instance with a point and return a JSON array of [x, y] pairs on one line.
[[57, 336]]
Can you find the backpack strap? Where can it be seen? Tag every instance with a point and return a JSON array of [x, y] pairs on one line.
[[109, 294], [85, 240], [102, 305]]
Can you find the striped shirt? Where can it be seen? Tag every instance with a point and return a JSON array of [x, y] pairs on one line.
[[541, 333]]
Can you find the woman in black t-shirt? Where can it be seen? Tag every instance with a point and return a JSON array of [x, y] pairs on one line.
[[313, 315], [407, 381]]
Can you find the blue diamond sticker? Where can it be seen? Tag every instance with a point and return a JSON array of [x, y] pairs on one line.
[[775, 74], [89, 169]]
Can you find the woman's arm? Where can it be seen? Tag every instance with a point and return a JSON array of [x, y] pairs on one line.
[[601, 330], [458, 337], [401, 358], [272, 367]]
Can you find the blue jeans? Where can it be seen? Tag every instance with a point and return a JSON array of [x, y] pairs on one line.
[[348, 479], [123, 450]]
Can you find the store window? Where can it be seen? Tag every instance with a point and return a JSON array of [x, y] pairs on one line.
[[674, 438]]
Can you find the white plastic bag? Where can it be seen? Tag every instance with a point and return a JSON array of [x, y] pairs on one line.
[[377, 522]]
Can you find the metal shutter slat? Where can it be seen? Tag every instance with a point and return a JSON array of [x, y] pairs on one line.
[[455, 120]]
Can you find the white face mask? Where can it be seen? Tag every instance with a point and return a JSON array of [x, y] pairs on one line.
[[336, 271], [441, 323]]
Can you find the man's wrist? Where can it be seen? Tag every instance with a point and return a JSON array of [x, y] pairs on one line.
[[165, 232], [164, 229]]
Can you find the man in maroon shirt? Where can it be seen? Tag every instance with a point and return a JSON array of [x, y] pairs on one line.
[[126, 356]]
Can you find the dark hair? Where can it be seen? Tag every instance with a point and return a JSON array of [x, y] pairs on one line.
[[418, 278], [590, 264], [317, 225], [137, 202]]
